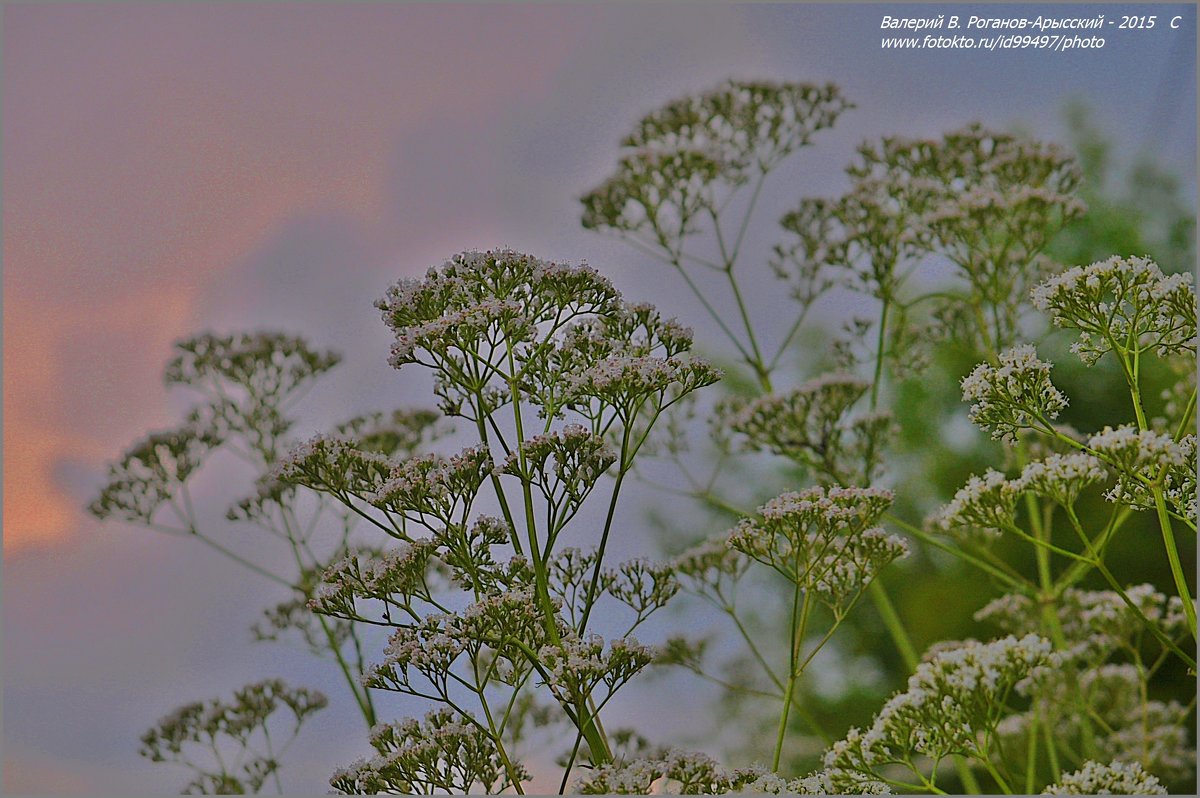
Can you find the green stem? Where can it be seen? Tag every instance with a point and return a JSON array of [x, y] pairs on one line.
[[797, 626], [879, 349], [895, 627], [995, 774], [1168, 536], [920, 534], [1116, 586]]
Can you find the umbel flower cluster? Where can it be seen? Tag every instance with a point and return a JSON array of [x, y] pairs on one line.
[[561, 381], [197, 735], [473, 576]]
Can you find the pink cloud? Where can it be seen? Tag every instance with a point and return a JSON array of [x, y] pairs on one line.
[[148, 149]]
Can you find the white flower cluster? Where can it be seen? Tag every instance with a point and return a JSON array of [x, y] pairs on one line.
[[1115, 778], [500, 280], [269, 494], [263, 365], [432, 485], [1015, 395], [508, 624], [625, 382], [1120, 303], [823, 540], [151, 472], [709, 564], [988, 504], [622, 358], [564, 464], [467, 552], [1139, 456], [656, 193], [198, 730], [1062, 477], [463, 332], [333, 464], [821, 782], [960, 191], [642, 585], [1095, 623], [429, 648], [863, 237], [397, 434], [811, 425], [1120, 722], [441, 754], [985, 504], [951, 702], [1152, 733], [679, 153], [395, 575], [577, 668], [679, 772]]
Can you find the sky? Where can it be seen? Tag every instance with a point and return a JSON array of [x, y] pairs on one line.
[[174, 168]]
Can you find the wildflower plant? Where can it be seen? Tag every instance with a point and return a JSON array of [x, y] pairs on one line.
[[487, 564], [561, 381], [247, 387], [989, 205], [228, 745]]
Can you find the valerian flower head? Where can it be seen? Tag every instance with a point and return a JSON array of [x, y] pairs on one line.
[[624, 382], [270, 494], [1125, 724], [400, 433], [823, 540], [951, 702], [478, 306], [1115, 778], [859, 241], [151, 473], [1138, 456], [1124, 303], [264, 365], [1013, 396], [1094, 623], [247, 379], [564, 464], [656, 193], [709, 561], [576, 669], [334, 465], [191, 732], [467, 553], [630, 339], [1122, 723], [1061, 477], [396, 574], [678, 155], [428, 648], [443, 753], [830, 781], [990, 202], [295, 616], [812, 426], [678, 772], [749, 123], [642, 585], [435, 486], [985, 504]]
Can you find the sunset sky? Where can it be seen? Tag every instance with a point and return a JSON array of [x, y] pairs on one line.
[[168, 169]]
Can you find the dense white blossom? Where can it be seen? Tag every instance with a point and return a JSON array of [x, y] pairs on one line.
[[1122, 303], [1116, 778], [1015, 395]]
